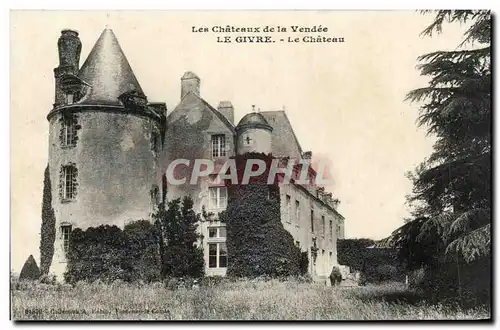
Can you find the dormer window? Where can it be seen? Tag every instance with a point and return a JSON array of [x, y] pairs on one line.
[[70, 98], [71, 87]]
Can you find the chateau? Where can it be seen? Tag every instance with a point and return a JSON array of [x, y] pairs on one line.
[[109, 149]]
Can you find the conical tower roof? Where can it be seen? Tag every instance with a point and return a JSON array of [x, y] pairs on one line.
[[107, 72]]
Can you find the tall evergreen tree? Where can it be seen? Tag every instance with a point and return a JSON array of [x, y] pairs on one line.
[[48, 227], [30, 270], [177, 233], [452, 188]]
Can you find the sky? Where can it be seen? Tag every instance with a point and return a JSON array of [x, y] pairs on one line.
[[345, 100]]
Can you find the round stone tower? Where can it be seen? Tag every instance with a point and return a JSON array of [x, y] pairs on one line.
[[104, 142], [253, 134]]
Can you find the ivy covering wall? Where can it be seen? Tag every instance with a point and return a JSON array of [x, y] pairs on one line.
[[257, 242], [108, 253]]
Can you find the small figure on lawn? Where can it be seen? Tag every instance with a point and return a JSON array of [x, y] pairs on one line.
[[335, 276]]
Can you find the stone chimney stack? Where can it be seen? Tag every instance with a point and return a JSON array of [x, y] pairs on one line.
[[69, 47], [227, 110], [190, 82]]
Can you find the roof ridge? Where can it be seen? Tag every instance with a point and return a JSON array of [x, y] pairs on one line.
[[218, 114], [215, 111]]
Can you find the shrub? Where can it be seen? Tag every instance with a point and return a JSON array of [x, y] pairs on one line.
[[467, 283], [143, 251], [257, 243], [107, 253], [351, 252], [375, 264], [177, 235], [30, 270]]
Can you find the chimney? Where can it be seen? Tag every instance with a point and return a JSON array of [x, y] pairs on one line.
[[320, 191], [190, 82], [329, 199], [307, 155], [69, 47], [227, 110]]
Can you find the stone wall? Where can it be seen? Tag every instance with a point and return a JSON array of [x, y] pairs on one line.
[[117, 170], [300, 227]]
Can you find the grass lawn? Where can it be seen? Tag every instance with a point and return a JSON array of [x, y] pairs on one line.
[[241, 300]]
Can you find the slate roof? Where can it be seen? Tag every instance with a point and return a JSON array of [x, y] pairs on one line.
[[253, 119], [209, 107], [108, 72], [219, 115], [284, 141]]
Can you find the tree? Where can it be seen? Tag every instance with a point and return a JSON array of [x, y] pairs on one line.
[[452, 188], [30, 270], [48, 227], [177, 235]]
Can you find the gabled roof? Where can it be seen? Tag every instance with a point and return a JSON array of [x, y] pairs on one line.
[[221, 117], [108, 72], [284, 141]]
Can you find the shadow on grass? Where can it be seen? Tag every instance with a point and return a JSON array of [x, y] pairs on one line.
[[390, 293], [398, 293]]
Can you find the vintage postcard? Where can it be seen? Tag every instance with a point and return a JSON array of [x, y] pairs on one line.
[[250, 165]]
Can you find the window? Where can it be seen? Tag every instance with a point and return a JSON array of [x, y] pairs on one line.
[[154, 142], [323, 224], [68, 184], [338, 231], [217, 232], [65, 233], [217, 251], [68, 137], [312, 221], [288, 209], [70, 98], [297, 212], [217, 197], [331, 229], [218, 145], [331, 256], [217, 255], [247, 140]]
